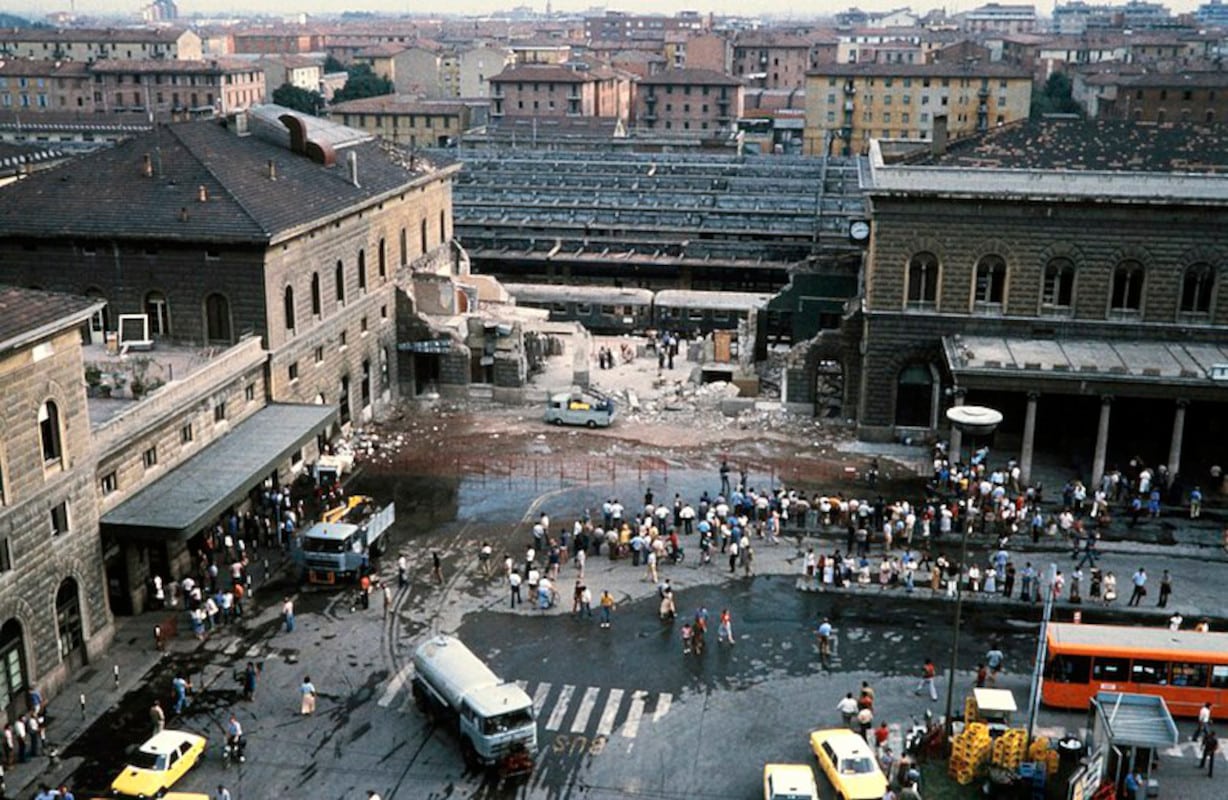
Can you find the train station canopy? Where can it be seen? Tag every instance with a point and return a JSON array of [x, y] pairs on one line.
[[1060, 365], [195, 493], [1135, 720]]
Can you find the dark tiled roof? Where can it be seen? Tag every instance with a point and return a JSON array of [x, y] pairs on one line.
[[43, 68], [935, 70], [208, 66], [105, 194], [542, 73], [395, 104], [1076, 144], [23, 311], [690, 77], [154, 35]]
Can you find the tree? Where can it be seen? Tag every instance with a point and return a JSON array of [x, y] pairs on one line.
[[298, 99], [333, 65], [363, 82], [1055, 98]]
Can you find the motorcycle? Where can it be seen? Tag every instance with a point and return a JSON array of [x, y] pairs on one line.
[[234, 750]]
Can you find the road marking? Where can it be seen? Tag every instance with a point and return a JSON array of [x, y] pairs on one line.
[[232, 646], [539, 698], [606, 724], [585, 710], [663, 701], [631, 725], [560, 708], [395, 685]]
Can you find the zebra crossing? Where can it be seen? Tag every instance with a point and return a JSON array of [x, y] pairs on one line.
[[595, 711]]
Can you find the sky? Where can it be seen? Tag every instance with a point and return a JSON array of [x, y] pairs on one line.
[[787, 8]]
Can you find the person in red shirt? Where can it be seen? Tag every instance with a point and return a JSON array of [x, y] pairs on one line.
[[880, 735]]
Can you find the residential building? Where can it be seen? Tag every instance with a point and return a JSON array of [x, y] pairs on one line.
[[474, 68], [538, 51], [999, 18], [1148, 96], [771, 60], [546, 90], [303, 72], [1213, 14], [412, 70], [277, 41], [615, 25], [166, 88], [697, 101], [91, 44], [1074, 18], [847, 105], [711, 51], [27, 85], [406, 120]]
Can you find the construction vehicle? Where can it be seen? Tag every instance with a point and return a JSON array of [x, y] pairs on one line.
[[342, 544]]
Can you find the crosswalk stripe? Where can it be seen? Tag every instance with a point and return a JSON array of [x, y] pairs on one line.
[[663, 701], [605, 726], [631, 725], [560, 708], [585, 711], [232, 646], [395, 685], [539, 698]]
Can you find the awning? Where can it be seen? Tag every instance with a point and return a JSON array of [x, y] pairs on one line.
[[192, 495], [1135, 720]]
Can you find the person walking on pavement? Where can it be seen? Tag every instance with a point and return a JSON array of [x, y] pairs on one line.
[[250, 675], [402, 571], [287, 613], [513, 581], [607, 607], [1140, 587], [1210, 746], [436, 567], [725, 628], [1166, 589], [307, 696], [157, 717], [927, 681], [1204, 722], [222, 793], [848, 710], [181, 686]]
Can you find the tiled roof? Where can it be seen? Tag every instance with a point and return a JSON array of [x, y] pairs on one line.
[[383, 50], [181, 66], [25, 311], [243, 204], [690, 77], [395, 104], [542, 73], [1076, 144], [152, 35], [43, 68]]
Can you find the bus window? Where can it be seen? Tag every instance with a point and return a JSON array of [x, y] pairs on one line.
[[561, 308], [1189, 674], [584, 308], [695, 314], [1069, 669], [610, 310], [720, 314], [1219, 676], [1149, 671], [1111, 669]]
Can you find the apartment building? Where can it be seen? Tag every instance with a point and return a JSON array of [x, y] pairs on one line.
[[165, 88], [45, 85], [849, 104], [698, 101], [303, 72], [999, 18], [405, 120], [91, 44], [1183, 96], [771, 60], [545, 90]]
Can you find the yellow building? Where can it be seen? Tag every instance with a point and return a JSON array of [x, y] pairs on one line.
[[405, 120], [848, 104]]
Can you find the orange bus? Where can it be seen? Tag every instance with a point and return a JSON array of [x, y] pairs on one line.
[[1186, 668]]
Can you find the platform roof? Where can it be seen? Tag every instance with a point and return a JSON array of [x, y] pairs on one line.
[[193, 494], [1137, 720]]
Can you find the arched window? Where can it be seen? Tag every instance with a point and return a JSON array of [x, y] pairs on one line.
[[1057, 291], [12, 669], [159, 314], [990, 281], [339, 282], [289, 308], [922, 279], [68, 621], [49, 433], [362, 270], [315, 293], [1127, 294], [383, 260], [217, 319], [1197, 289]]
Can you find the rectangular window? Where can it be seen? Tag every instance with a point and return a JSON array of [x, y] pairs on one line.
[[1111, 669], [219, 412], [344, 340], [109, 483], [362, 326], [185, 434], [1152, 672], [293, 372], [6, 555], [59, 519], [319, 355], [249, 393], [1189, 674], [1219, 676], [383, 312], [150, 457]]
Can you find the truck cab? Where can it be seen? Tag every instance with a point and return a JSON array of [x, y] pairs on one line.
[[342, 544]]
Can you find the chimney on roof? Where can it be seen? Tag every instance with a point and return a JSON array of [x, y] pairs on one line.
[[272, 170], [147, 166], [202, 194], [352, 158]]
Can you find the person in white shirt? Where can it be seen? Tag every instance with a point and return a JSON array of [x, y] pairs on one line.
[[1204, 722]]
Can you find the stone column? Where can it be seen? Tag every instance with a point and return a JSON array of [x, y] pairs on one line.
[[1029, 439], [1174, 449], [1102, 442], [957, 436]]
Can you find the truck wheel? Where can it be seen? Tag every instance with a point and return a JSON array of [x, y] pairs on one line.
[[469, 753], [557, 421], [592, 423]]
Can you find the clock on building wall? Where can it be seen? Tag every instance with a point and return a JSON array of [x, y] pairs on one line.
[[859, 230]]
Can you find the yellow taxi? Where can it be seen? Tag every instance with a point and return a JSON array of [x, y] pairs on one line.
[[849, 764], [158, 764], [789, 782]]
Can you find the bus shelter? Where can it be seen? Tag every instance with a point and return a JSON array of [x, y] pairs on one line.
[[1126, 732]]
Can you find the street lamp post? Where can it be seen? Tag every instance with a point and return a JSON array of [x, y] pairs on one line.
[[973, 421]]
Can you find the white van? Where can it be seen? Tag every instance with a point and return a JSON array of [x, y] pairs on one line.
[[589, 408]]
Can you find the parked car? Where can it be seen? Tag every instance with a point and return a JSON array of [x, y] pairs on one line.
[[158, 764], [849, 764], [789, 782]]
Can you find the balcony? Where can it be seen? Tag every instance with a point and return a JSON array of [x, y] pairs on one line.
[[850, 88], [848, 105]]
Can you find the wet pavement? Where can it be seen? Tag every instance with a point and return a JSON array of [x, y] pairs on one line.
[[621, 711]]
